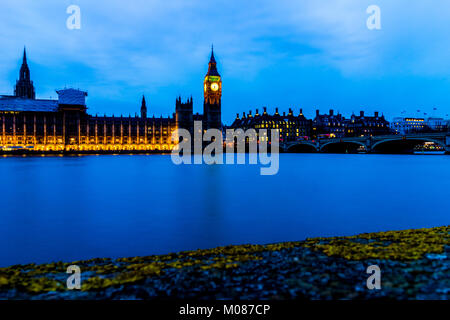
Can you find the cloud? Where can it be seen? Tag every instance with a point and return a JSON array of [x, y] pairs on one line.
[[161, 47]]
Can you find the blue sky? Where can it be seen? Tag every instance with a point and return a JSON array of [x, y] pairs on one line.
[[298, 54]]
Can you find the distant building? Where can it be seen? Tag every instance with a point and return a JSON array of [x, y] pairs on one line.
[[363, 125], [437, 124], [331, 124], [292, 127], [405, 125]]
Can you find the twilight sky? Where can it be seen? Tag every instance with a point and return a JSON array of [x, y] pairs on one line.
[[301, 54]]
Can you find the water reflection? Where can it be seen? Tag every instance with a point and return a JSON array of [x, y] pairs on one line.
[[69, 208]]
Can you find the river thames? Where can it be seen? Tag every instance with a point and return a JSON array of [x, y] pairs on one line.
[[79, 207]]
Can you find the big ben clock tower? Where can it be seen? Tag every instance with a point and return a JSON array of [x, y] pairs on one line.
[[212, 90]]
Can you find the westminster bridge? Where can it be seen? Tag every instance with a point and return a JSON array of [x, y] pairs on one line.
[[371, 144]]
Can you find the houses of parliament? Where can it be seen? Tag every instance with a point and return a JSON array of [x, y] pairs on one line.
[[65, 124]]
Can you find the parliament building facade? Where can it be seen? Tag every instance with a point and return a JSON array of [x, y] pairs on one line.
[[65, 125]]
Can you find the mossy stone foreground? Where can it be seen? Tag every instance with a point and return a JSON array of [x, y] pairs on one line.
[[234, 265]]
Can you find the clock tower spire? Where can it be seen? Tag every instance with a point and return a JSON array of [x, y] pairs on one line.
[[212, 91]]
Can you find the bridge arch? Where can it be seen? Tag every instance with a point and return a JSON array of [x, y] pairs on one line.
[[403, 144], [348, 146], [301, 147]]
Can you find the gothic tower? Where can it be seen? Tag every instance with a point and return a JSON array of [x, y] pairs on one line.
[[212, 91], [184, 114], [143, 108], [24, 86]]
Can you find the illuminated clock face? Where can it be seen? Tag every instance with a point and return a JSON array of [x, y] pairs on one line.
[[214, 86]]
